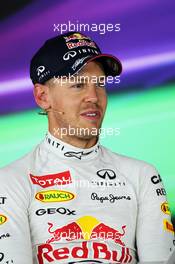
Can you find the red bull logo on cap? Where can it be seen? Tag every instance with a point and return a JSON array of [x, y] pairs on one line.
[[76, 36], [81, 43], [54, 196]]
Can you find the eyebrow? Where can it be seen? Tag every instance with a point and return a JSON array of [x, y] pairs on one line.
[[87, 79]]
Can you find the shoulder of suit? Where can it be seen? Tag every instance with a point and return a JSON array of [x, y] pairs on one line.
[[126, 160], [17, 168]]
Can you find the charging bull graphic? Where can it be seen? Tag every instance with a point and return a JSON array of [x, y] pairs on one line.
[[87, 228], [76, 36]]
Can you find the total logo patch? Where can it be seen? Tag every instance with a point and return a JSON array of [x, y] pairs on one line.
[[168, 226], [52, 196], [61, 178], [3, 219], [165, 208]]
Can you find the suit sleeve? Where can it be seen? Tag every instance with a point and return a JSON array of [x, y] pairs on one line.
[[15, 243], [155, 232]]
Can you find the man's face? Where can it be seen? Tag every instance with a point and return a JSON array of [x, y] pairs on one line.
[[83, 103]]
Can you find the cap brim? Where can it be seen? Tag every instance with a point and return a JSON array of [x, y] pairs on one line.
[[112, 65]]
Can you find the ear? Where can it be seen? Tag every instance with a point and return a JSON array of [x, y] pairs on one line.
[[41, 95]]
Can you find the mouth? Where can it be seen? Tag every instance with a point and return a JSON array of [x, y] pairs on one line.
[[91, 115]]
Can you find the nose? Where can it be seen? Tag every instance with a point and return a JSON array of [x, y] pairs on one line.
[[91, 94]]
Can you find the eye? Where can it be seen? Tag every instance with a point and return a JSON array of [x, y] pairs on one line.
[[101, 84], [78, 85]]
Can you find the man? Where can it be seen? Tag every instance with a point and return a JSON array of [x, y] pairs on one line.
[[71, 200]]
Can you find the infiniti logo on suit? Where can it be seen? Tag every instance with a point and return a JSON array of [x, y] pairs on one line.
[[106, 174]]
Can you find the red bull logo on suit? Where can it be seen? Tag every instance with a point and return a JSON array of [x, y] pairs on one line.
[[85, 230]]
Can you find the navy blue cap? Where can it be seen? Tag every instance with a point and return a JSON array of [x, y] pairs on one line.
[[66, 54]]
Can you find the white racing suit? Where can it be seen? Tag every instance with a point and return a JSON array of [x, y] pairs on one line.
[[62, 204]]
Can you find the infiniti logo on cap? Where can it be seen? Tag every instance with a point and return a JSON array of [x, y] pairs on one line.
[[40, 69], [69, 54]]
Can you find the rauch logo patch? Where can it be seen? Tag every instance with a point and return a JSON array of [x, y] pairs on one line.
[[54, 196]]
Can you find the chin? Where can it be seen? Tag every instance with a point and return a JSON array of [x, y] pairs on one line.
[[88, 132], [86, 137], [92, 126]]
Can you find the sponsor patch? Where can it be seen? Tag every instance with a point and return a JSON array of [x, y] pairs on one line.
[[109, 198], [45, 181], [80, 43], [4, 236], [165, 208], [3, 219], [106, 174], [40, 70], [98, 251], [168, 226], [106, 183], [76, 36], [53, 253], [78, 62], [2, 199], [161, 191], [52, 196], [85, 228], [60, 210], [156, 179], [1, 256]]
